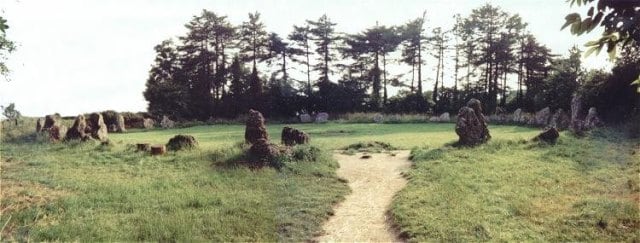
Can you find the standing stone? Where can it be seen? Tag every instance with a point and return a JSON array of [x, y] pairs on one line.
[[77, 131], [444, 117], [549, 135], [542, 117], [120, 126], [148, 123], [517, 116], [50, 121], [56, 132], [96, 127], [291, 136], [471, 126], [255, 128], [166, 122], [39, 125], [305, 118], [433, 119], [378, 118], [559, 120], [592, 120], [322, 117], [576, 115]]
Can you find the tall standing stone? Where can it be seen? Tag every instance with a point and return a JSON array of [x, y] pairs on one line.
[[120, 126], [542, 117], [77, 131], [96, 127], [559, 120], [577, 125], [592, 120], [255, 128], [471, 126], [39, 125]]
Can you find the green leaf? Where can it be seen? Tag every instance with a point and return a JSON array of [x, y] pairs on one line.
[[590, 51], [637, 83]]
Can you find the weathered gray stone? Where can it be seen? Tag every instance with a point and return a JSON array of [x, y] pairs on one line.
[[471, 126], [305, 118], [148, 123], [120, 125], [592, 120], [542, 117], [577, 123], [560, 120], [322, 117], [444, 117], [378, 118], [166, 122]]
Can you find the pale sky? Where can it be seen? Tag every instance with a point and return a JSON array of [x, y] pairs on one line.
[[77, 56]]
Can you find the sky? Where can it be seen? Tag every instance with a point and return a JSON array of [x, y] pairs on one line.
[[77, 56]]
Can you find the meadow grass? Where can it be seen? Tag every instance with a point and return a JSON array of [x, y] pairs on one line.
[[516, 190], [506, 189]]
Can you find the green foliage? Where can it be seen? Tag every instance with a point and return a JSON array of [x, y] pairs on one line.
[[11, 113], [516, 190], [619, 19], [6, 47]]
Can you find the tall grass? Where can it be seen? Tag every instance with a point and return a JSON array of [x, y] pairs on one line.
[[518, 190]]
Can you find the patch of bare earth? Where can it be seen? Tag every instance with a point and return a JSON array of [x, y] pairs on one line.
[[362, 216]]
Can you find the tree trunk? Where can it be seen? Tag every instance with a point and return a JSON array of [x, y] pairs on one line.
[[384, 78]]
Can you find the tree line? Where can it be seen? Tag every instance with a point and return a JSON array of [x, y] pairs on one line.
[[218, 69]]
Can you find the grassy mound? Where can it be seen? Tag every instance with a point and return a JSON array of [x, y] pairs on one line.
[[368, 147], [518, 190]]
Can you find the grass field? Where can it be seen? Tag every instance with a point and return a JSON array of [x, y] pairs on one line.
[[506, 190]]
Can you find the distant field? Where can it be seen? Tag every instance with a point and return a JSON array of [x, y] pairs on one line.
[[331, 135], [506, 190]]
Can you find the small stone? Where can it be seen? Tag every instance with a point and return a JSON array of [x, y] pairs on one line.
[[182, 142], [159, 149], [378, 118], [549, 135]]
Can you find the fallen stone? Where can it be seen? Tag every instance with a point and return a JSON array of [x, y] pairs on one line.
[[549, 135], [182, 142]]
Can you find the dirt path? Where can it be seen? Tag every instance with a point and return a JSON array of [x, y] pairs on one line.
[[374, 182]]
